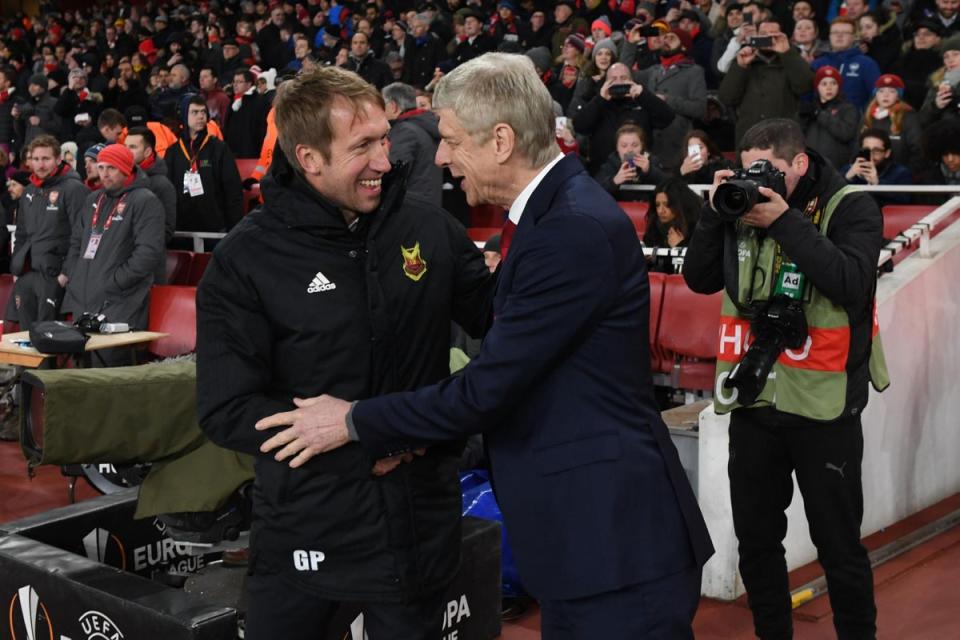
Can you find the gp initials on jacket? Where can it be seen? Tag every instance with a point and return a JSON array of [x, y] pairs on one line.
[[307, 560], [826, 349]]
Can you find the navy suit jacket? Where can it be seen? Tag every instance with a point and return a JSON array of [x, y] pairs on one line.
[[591, 488]]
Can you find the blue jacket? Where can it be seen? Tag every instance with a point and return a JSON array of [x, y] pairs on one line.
[[592, 491], [859, 71]]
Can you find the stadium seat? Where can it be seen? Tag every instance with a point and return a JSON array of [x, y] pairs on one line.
[[178, 266], [482, 234], [251, 199], [897, 218], [246, 166], [197, 266], [6, 290], [656, 307], [637, 212], [487, 215], [689, 325], [173, 310]]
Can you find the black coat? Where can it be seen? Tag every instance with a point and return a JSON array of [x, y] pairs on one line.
[[221, 205], [842, 265], [414, 138], [420, 61], [601, 118], [247, 126], [325, 310], [376, 72], [467, 50]]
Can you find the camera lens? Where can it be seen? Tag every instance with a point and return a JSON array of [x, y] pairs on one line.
[[735, 197]]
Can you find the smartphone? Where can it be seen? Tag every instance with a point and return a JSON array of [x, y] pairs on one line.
[[748, 18], [693, 150], [864, 154], [952, 77], [760, 42], [561, 125], [631, 160]]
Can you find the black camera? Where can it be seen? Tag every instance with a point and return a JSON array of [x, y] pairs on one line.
[[741, 191], [760, 42], [90, 322], [619, 91], [777, 324]]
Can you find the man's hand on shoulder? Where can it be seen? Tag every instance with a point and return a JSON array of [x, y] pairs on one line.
[[766, 213], [316, 426]]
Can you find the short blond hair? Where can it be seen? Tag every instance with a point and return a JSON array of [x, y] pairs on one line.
[[303, 107], [502, 88], [44, 140]]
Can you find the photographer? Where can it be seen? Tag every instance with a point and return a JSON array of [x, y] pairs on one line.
[[802, 260], [620, 100]]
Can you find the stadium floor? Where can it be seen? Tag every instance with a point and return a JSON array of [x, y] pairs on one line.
[[916, 592]]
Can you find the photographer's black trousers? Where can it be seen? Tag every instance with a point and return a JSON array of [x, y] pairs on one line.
[[765, 447], [277, 608]]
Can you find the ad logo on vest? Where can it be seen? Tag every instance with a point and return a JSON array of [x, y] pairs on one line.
[[28, 617]]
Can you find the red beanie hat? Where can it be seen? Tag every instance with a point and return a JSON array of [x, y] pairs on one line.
[[686, 40], [890, 80], [827, 72], [117, 155], [602, 24]]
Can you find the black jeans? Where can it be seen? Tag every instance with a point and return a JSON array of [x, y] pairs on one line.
[[277, 608], [765, 447]]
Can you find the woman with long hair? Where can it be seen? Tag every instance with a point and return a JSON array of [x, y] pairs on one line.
[[888, 112], [673, 214], [703, 158]]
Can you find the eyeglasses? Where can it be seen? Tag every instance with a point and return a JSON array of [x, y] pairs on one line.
[[875, 152]]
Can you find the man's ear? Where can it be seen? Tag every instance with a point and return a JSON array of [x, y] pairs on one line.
[[504, 141], [801, 164], [311, 162]]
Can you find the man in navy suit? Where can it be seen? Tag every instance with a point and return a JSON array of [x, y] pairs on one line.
[[604, 525]]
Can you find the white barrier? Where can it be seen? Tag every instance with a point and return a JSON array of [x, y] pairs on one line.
[[910, 435]]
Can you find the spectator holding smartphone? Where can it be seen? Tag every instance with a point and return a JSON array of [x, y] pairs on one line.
[[629, 164], [943, 98], [874, 165], [703, 158]]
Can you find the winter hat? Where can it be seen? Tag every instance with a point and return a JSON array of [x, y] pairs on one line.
[[507, 4], [686, 41], [891, 81], [39, 79], [270, 77], [117, 155], [649, 7], [603, 23], [827, 72], [541, 57], [577, 41], [950, 44], [606, 43], [93, 151], [136, 116]]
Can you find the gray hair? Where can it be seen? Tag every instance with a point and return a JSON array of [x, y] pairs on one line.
[[502, 88], [424, 19], [403, 94]]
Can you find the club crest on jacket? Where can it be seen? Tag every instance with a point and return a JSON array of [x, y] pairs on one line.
[[414, 266]]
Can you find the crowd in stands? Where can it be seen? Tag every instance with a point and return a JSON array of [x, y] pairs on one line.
[[647, 93]]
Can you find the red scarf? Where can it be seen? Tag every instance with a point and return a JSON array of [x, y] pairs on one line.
[[5, 95], [410, 114], [38, 183], [149, 162], [668, 62], [83, 94]]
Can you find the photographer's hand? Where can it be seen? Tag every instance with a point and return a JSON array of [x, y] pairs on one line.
[[746, 56], [718, 178], [766, 213]]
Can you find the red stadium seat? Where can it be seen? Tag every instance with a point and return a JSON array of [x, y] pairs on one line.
[[178, 266], [173, 310], [6, 290], [897, 218], [689, 325], [487, 215], [637, 212], [482, 234], [197, 266], [246, 166], [656, 307]]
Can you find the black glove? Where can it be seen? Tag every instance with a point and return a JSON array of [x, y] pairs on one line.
[[249, 182]]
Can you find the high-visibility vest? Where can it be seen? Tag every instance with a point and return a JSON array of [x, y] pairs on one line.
[[266, 149], [810, 381]]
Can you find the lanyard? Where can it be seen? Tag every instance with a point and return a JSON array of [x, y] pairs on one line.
[[96, 213], [193, 158]]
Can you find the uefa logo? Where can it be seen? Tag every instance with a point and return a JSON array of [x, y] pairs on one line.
[[28, 617], [102, 546]]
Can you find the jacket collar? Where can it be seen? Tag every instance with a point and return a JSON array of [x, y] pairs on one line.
[[542, 197]]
